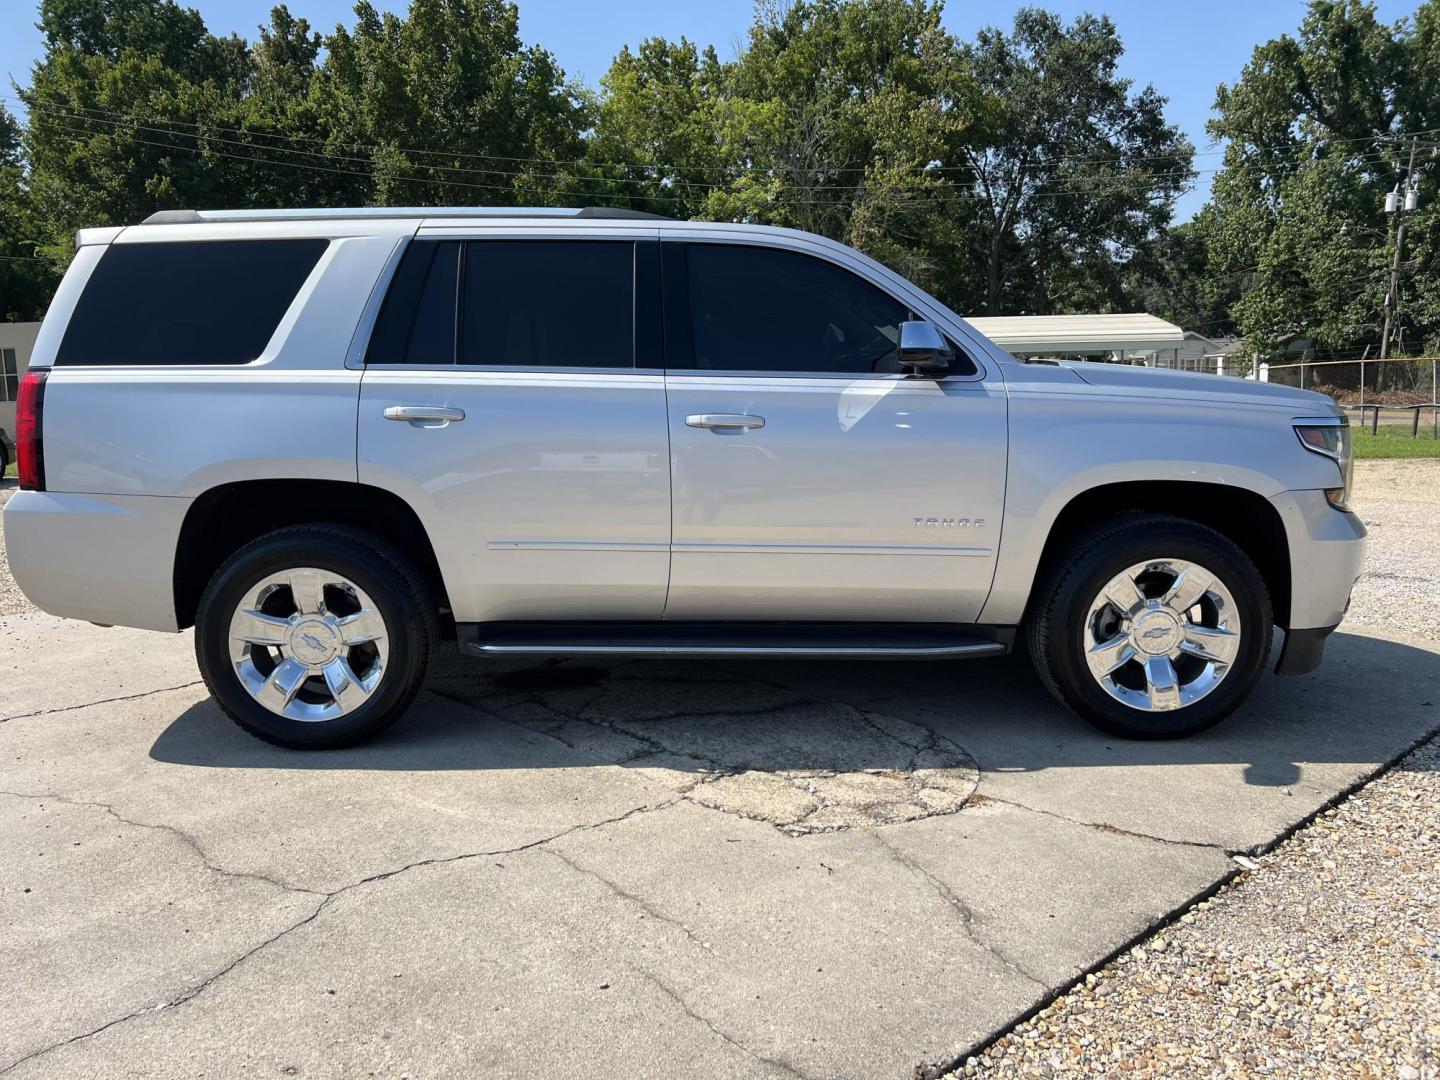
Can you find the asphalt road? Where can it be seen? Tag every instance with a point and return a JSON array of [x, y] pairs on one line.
[[631, 870]]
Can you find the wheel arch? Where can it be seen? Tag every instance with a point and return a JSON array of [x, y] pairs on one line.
[[1242, 515], [226, 517]]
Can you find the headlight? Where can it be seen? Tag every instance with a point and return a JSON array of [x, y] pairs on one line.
[[1333, 441]]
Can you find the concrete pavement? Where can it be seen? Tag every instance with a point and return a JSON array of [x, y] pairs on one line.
[[633, 869]]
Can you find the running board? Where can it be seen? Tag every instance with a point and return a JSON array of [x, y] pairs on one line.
[[883, 641]]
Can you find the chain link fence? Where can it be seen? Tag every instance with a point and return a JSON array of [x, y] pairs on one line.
[[1398, 392]]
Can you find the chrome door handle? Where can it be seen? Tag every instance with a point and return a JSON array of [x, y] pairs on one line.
[[725, 421], [433, 414]]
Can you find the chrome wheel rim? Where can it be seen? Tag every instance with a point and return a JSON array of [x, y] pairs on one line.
[[1161, 635], [308, 644]]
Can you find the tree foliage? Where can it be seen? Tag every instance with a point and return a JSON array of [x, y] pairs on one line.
[[1315, 136], [1074, 173], [135, 107], [1017, 172], [24, 280]]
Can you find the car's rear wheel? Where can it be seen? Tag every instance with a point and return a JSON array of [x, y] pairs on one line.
[[1151, 627], [315, 636]]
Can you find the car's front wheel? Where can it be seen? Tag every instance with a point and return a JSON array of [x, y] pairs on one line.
[[1151, 627], [315, 636]]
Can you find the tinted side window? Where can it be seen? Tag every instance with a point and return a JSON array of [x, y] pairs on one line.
[[761, 309], [764, 309], [548, 303], [417, 321], [207, 302]]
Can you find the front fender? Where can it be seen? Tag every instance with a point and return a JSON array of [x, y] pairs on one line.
[[1065, 444]]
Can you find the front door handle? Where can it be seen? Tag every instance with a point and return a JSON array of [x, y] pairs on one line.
[[424, 414], [725, 421]]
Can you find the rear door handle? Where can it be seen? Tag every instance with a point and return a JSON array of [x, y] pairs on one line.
[[424, 414], [725, 421]]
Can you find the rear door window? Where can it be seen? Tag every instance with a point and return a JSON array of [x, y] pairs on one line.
[[548, 303], [520, 303], [200, 302], [417, 322]]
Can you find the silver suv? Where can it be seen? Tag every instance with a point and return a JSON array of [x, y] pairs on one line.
[[329, 439]]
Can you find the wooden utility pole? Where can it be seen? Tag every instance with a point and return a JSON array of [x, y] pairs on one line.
[[1392, 294]]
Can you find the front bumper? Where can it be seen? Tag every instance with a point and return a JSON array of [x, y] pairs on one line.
[[1327, 553]]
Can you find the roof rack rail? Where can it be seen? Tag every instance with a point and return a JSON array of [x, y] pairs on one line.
[[196, 217]]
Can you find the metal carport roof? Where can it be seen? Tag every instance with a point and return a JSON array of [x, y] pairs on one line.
[[1049, 335]]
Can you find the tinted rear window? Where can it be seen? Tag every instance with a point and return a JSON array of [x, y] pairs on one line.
[[548, 303], [417, 322], [520, 303], [210, 302]]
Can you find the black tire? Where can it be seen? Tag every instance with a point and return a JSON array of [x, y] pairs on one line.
[[1055, 627], [394, 585]]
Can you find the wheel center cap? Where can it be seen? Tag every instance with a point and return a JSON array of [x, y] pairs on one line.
[[1157, 632], [314, 642]]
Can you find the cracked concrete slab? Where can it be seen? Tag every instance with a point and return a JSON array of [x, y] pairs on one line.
[[103, 916], [84, 664], [513, 966], [822, 951], [1050, 895], [737, 745], [449, 783], [1296, 743], [630, 869]]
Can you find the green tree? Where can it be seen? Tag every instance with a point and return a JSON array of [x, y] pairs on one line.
[[114, 105], [136, 107], [1017, 173], [667, 134], [1072, 172], [1171, 278], [447, 105], [831, 119], [1314, 131], [25, 279]]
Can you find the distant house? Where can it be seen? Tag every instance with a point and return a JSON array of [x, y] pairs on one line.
[[16, 342], [1209, 354]]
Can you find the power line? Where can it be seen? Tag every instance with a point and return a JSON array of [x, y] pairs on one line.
[[308, 167], [368, 161], [316, 141], [1073, 186], [667, 167], [1095, 188]]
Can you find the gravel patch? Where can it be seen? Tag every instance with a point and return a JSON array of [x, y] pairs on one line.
[[1324, 960], [1399, 501], [12, 600]]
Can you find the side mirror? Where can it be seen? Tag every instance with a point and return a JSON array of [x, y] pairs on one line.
[[923, 349]]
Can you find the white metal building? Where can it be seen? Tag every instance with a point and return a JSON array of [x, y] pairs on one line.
[[1126, 338]]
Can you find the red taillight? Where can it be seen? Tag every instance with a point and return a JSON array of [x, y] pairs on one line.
[[29, 446]]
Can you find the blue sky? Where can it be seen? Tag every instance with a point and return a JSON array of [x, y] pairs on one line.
[[1184, 49]]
